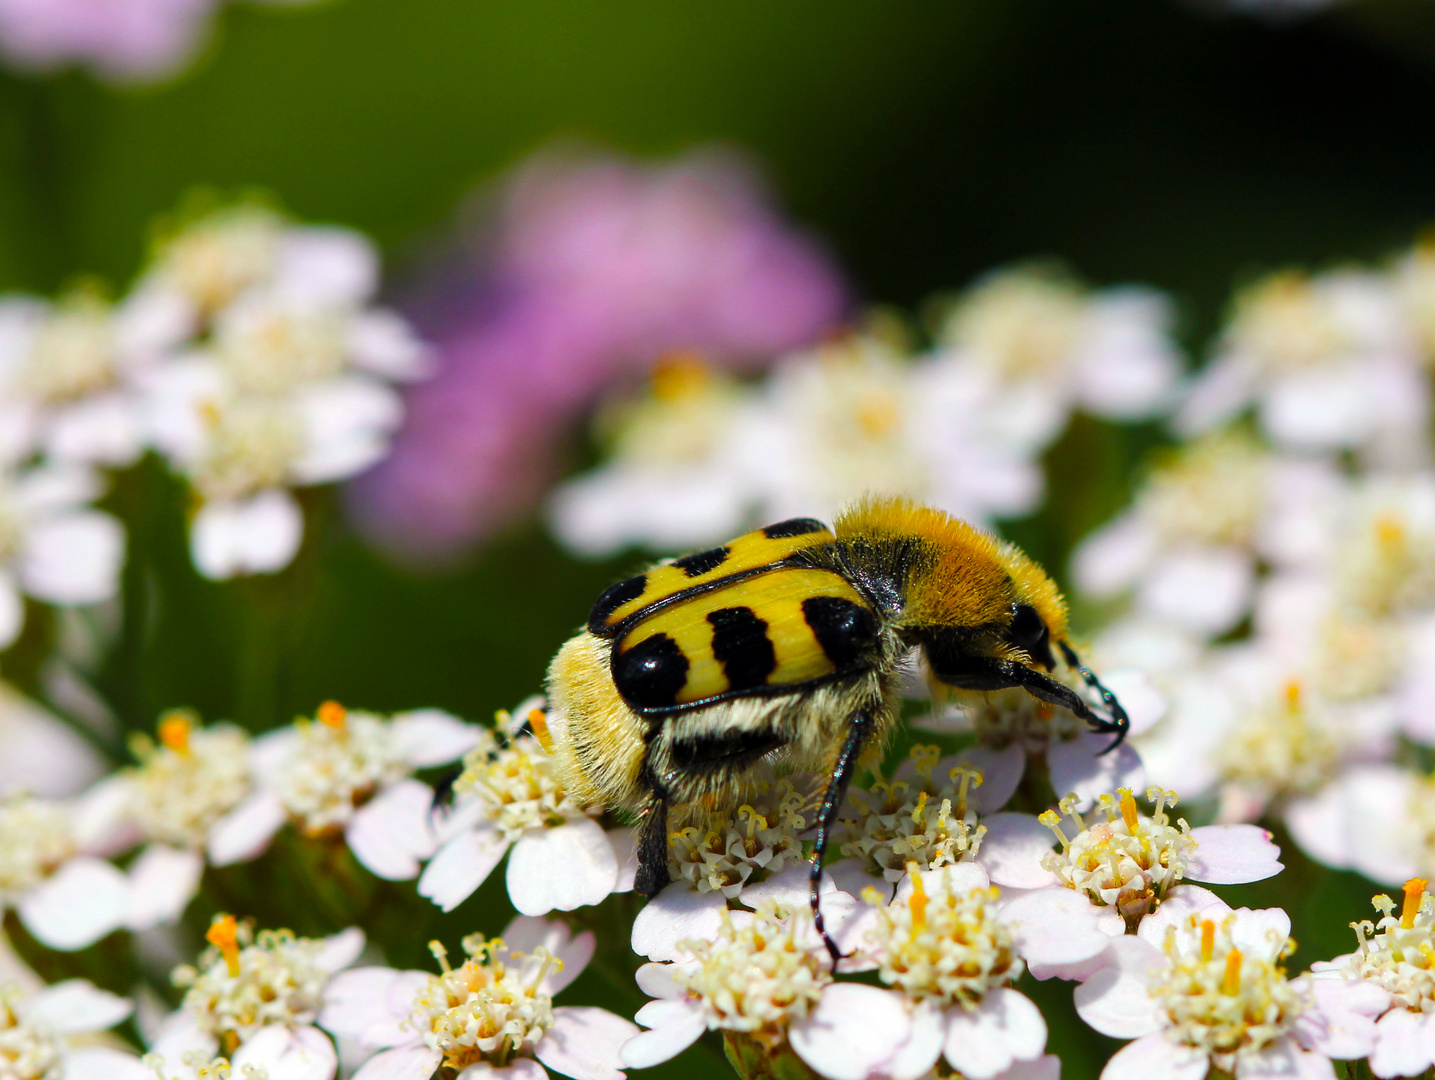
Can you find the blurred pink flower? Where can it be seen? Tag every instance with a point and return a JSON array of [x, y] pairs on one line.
[[594, 269]]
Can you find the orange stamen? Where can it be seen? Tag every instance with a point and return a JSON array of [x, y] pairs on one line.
[[1128, 811], [538, 721], [1414, 893], [918, 900], [1208, 939], [174, 729], [332, 714], [1231, 983], [223, 934]]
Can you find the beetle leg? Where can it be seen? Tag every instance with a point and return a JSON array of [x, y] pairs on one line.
[[842, 770], [652, 874]]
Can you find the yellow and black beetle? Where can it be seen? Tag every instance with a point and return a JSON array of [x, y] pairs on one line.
[[786, 644]]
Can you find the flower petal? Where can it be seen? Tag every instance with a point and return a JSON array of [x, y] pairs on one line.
[[1056, 927], [245, 832], [73, 559], [259, 535], [986, 1041], [77, 905], [920, 1051], [428, 737], [676, 914], [1402, 1047], [585, 1042], [1001, 773], [102, 1063], [372, 1005], [527, 933], [1084, 767], [162, 882], [74, 1007], [561, 869], [1116, 1001], [1046, 1067], [675, 1028], [390, 833], [12, 609], [340, 950], [1284, 1058], [301, 1053], [415, 1062], [1233, 855], [851, 1032], [462, 864], [625, 850], [1204, 590], [1012, 849], [1156, 1055], [517, 1069]]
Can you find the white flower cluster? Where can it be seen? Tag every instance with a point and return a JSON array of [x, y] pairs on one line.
[[248, 354], [961, 426]]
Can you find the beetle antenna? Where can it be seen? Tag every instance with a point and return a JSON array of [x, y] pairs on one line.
[[1119, 722]]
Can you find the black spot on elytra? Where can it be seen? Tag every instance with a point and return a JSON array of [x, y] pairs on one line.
[[793, 527], [844, 630], [652, 673], [699, 564], [722, 750], [614, 597], [741, 645]]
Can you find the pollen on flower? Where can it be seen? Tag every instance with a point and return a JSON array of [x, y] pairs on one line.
[[760, 837], [252, 441], [1398, 951], [203, 1067], [1020, 324], [187, 781], [1286, 324], [1003, 717], [1287, 748], [245, 980], [1122, 859], [218, 257], [515, 778], [336, 764], [1388, 564], [272, 348], [949, 946], [490, 1009], [1224, 1000], [26, 1052], [1212, 492], [758, 976], [1357, 657], [684, 417], [35, 838], [929, 822], [73, 351]]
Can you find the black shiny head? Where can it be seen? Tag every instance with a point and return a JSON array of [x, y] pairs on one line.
[[1031, 635]]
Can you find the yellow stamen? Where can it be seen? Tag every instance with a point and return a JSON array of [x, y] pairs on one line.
[[223, 934], [918, 900], [538, 721], [1293, 693], [679, 375], [1389, 532], [174, 729], [332, 714], [1231, 983], [1208, 940], [1128, 811], [1414, 893]]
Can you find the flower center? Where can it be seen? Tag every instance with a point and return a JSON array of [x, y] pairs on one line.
[[35, 838], [1356, 657], [756, 977], [1283, 749], [73, 352], [1221, 999], [269, 349], [1128, 861], [252, 443], [337, 763], [1211, 492], [189, 780], [1020, 325], [244, 981], [684, 417], [950, 946], [1398, 952], [26, 1053], [928, 822], [216, 259], [202, 1067], [1389, 564], [760, 838], [517, 782], [1287, 325], [485, 1010]]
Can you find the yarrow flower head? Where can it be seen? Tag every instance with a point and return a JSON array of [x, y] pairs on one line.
[[36, 1031], [188, 779], [509, 796], [730, 848]]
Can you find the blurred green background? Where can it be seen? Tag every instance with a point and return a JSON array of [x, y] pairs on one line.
[[925, 141]]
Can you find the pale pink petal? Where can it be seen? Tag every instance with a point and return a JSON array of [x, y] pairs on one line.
[[162, 880], [1260, 930], [325, 265], [1233, 855], [391, 833], [1085, 768], [1145, 705], [561, 869], [260, 535], [851, 1031], [1055, 928], [462, 864], [102, 1063], [1285, 1059], [1204, 590], [179, 1034], [77, 905], [1001, 773], [1342, 1025], [656, 980], [527, 933], [340, 950], [101, 818], [1156, 1056], [1401, 1046], [73, 559], [416, 1062], [12, 609], [104, 429], [381, 342], [1012, 849], [585, 1043], [918, 1053], [428, 737], [372, 1005], [73, 1007], [1112, 559], [1046, 1067], [625, 851], [246, 831], [302, 1053], [1180, 904], [1007, 1028], [517, 1069], [1116, 1001], [676, 1025], [676, 914]]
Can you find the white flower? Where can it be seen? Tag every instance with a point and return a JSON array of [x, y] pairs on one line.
[[65, 896], [493, 1015], [1123, 866], [1204, 989], [38, 1034], [1395, 965], [509, 797], [53, 547], [348, 773], [1328, 362], [1374, 818], [255, 999], [39, 753]]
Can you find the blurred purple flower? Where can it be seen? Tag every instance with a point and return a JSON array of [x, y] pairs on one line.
[[595, 268]]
